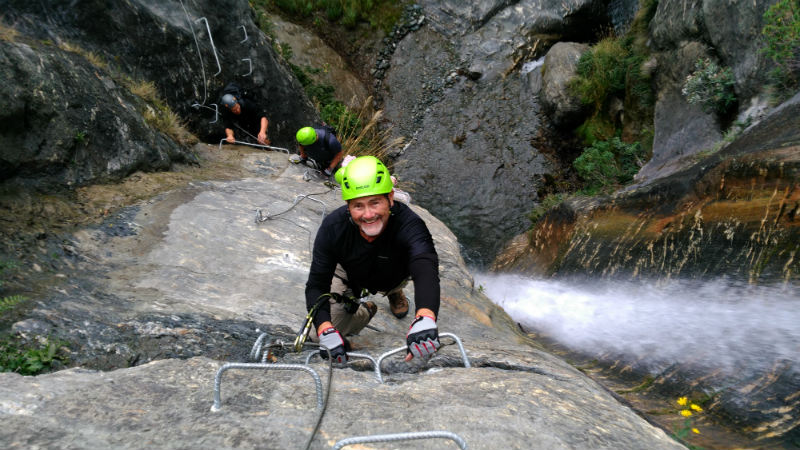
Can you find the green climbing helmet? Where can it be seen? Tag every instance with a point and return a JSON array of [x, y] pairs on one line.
[[306, 136], [365, 176]]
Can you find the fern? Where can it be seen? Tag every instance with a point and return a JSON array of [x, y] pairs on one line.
[[7, 303]]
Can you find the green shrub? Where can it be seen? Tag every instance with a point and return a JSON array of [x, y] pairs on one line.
[[30, 359], [336, 112], [782, 35], [608, 163], [601, 72], [596, 128], [710, 86], [614, 68]]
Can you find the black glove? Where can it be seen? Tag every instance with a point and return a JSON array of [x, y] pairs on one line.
[[333, 341], [423, 337], [349, 303]]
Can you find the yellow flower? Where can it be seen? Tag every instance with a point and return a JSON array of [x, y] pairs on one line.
[[686, 413], [682, 401], [695, 431], [696, 408]]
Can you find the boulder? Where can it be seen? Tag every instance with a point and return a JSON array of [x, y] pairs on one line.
[[68, 122], [560, 66]]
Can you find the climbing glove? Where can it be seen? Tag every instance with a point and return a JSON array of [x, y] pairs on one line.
[[423, 337], [333, 341]]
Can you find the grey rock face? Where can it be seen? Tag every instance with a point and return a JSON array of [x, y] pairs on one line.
[[456, 91], [682, 32], [66, 122], [194, 265], [561, 63], [731, 28], [678, 136], [168, 44]]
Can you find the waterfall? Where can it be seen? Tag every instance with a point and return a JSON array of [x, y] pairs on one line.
[[740, 329]]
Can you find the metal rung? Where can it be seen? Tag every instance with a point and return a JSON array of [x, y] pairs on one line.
[[402, 437], [281, 149], [464, 357], [213, 47], [250, 61], [256, 351], [218, 378]]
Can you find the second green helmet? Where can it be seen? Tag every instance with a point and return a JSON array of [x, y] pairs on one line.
[[365, 176], [306, 136]]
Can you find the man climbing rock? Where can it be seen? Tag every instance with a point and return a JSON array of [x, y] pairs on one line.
[[372, 244], [321, 146], [244, 114]]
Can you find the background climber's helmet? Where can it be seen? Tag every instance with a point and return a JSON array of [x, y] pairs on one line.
[[306, 136], [229, 101], [365, 176]]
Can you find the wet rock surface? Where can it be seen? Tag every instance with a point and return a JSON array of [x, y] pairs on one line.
[[183, 282]]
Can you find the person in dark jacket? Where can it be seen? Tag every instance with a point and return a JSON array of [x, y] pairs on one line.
[[247, 116], [372, 245], [321, 146]]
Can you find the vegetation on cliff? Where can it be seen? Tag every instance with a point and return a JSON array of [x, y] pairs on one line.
[[614, 70], [782, 35], [378, 13]]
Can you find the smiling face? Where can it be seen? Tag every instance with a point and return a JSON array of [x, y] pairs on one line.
[[371, 214]]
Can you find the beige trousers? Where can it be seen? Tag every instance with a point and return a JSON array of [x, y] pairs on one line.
[[349, 324]]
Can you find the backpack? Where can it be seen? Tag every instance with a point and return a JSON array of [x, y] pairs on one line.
[[330, 130], [234, 89]]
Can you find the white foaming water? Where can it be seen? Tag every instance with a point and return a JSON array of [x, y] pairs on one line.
[[739, 328], [532, 65]]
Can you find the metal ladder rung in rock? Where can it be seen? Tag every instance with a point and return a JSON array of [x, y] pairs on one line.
[[402, 437], [264, 366], [464, 357], [280, 149]]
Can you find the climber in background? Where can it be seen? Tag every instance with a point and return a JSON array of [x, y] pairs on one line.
[[321, 146], [243, 112]]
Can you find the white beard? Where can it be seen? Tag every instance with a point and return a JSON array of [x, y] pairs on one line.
[[373, 229]]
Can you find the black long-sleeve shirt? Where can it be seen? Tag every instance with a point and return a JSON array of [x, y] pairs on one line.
[[405, 247], [249, 118]]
